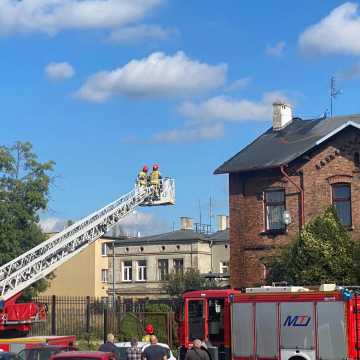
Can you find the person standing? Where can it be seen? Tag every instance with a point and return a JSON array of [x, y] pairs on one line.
[[142, 177], [197, 352], [109, 346], [149, 329], [155, 179], [133, 352], [154, 351]]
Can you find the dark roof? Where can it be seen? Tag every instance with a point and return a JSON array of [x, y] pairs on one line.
[[178, 236], [219, 236], [276, 148]]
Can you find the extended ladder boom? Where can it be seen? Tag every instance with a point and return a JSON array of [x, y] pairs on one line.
[[41, 260]]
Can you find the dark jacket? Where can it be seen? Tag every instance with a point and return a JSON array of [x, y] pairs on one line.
[[197, 354], [109, 347]]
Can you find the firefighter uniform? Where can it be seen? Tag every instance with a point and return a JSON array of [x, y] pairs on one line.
[[142, 177]]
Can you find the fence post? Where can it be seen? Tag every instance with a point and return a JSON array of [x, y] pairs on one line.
[[53, 315], [105, 323], [87, 314]]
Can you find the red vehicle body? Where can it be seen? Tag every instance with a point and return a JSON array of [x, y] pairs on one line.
[[84, 355], [16, 345], [206, 316], [271, 324], [16, 318]]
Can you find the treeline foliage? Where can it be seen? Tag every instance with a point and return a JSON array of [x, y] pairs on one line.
[[191, 279], [24, 191], [323, 252]]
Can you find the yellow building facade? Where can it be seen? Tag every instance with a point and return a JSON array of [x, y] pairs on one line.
[[86, 274]]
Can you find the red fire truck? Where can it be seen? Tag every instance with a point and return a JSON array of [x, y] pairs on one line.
[[283, 323]]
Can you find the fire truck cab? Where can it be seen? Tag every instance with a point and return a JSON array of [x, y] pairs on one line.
[[205, 315]]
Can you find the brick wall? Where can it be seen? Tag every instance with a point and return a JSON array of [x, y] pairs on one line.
[[331, 162]]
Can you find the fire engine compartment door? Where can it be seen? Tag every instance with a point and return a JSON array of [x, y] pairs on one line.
[[297, 325], [331, 330], [196, 309], [242, 329]]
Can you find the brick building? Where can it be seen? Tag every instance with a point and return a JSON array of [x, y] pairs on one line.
[[281, 180]]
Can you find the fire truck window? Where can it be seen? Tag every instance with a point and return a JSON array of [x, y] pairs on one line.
[[331, 330], [216, 320], [196, 319]]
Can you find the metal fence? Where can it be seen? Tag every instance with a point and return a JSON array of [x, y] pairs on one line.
[[89, 316]]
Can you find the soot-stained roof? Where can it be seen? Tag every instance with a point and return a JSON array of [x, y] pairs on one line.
[[276, 148]]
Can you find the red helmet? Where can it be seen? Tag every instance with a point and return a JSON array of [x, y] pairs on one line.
[[155, 167], [149, 329], [145, 168]]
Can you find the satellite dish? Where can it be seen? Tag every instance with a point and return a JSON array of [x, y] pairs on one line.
[[286, 217]]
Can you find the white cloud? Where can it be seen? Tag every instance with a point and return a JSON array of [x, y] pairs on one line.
[[139, 222], [138, 33], [207, 132], [52, 224], [52, 16], [337, 33], [221, 108], [158, 75], [238, 84], [277, 49], [59, 71]]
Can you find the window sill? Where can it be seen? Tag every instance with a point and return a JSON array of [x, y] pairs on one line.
[[141, 281], [274, 232], [126, 281]]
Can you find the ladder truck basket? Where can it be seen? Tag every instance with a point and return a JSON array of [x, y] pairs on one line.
[[164, 196]]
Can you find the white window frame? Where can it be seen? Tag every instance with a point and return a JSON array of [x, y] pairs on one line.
[[141, 271], [176, 268], [104, 275], [159, 269], [224, 265], [104, 249], [126, 271]]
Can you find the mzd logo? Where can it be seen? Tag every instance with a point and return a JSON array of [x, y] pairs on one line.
[[297, 320]]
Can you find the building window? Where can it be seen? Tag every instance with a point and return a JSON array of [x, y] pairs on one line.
[[179, 266], [163, 266], [224, 267], [104, 275], [274, 209], [141, 270], [341, 200], [127, 271], [104, 249]]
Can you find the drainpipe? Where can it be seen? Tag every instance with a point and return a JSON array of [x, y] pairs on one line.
[[301, 191]]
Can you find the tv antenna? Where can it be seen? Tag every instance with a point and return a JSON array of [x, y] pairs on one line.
[[334, 92]]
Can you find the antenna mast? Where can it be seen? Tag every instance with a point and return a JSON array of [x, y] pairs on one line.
[[334, 92]]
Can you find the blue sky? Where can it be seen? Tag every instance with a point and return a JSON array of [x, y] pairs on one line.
[[103, 87]]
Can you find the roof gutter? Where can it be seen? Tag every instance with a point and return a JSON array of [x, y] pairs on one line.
[[301, 191]]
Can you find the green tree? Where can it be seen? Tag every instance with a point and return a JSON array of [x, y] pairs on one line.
[[191, 279], [24, 191], [323, 252]]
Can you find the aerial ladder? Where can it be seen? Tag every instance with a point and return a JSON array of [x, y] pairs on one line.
[[16, 318]]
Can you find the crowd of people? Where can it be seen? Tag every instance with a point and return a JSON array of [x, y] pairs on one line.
[[154, 351]]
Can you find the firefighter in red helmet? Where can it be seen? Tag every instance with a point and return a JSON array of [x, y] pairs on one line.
[[142, 177], [149, 329], [155, 179]]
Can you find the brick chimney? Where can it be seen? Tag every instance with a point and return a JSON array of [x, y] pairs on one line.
[[186, 223], [223, 222], [282, 115]]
